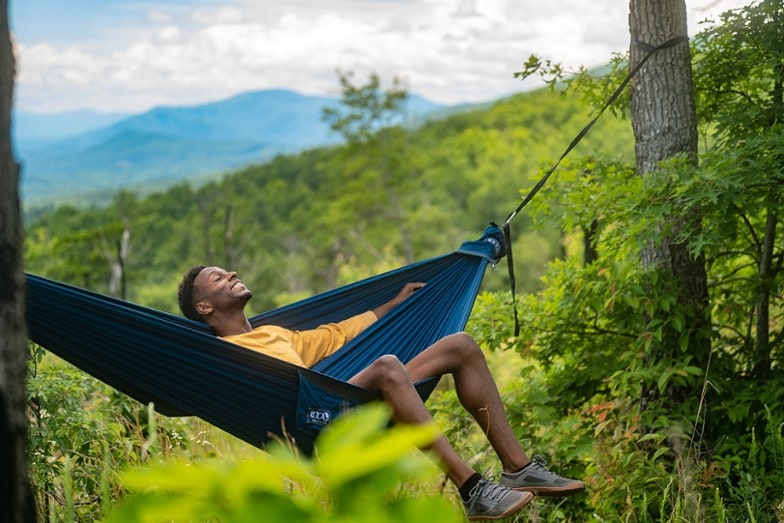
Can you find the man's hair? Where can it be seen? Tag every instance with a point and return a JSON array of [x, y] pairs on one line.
[[186, 294]]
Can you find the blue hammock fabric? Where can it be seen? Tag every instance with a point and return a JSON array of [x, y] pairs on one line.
[[181, 367]]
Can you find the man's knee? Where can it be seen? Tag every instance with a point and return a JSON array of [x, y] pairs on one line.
[[466, 347], [388, 369], [388, 363]]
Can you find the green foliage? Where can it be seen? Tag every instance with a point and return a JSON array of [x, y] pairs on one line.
[[356, 476], [366, 110], [71, 446], [591, 330], [757, 482], [738, 72], [81, 433]]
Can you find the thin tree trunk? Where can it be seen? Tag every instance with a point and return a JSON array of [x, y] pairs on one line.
[[118, 260], [767, 271], [206, 219], [16, 499], [229, 257], [762, 364], [590, 254]]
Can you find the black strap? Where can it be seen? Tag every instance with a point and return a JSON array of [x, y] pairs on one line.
[[510, 265], [649, 50]]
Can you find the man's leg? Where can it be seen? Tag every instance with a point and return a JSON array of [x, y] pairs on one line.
[[482, 498], [389, 376], [460, 356]]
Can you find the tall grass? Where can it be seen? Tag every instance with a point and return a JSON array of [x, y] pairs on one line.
[[85, 438]]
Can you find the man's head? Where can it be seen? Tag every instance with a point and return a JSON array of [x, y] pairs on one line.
[[187, 294], [207, 291]]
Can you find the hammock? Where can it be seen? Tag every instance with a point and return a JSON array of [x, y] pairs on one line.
[[181, 367]]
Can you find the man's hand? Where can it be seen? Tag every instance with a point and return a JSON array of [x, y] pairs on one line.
[[407, 290]]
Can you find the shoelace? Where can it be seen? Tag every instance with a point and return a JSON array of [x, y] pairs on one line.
[[487, 489], [540, 461]]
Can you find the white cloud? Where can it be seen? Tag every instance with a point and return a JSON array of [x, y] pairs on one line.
[[448, 50]]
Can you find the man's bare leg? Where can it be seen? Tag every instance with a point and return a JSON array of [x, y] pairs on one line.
[[388, 375], [460, 356]]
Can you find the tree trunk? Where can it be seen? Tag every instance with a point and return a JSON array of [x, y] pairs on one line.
[[767, 272], [229, 256], [16, 499], [590, 254], [205, 207], [762, 361], [118, 261], [665, 126]]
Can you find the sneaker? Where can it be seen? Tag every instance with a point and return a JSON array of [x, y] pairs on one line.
[[537, 479], [490, 501]]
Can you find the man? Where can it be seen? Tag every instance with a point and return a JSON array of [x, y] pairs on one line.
[[218, 297]]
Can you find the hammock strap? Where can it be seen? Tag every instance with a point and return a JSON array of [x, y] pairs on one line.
[[510, 266]]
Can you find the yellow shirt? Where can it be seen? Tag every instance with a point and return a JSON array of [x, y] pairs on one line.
[[303, 348]]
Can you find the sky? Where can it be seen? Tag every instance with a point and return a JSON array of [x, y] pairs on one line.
[[132, 55]]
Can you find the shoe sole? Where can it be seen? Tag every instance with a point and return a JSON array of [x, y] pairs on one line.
[[566, 490], [511, 510]]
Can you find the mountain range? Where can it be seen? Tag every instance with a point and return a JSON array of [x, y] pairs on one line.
[[84, 157]]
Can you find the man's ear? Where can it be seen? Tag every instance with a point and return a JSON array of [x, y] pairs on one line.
[[204, 308]]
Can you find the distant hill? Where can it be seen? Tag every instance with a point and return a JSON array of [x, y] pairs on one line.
[[38, 128], [79, 155]]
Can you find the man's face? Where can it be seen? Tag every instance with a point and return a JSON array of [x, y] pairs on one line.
[[218, 289]]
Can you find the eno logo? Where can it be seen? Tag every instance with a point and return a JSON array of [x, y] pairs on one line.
[[318, 417]]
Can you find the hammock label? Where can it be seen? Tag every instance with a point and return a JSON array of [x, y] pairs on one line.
[[318, 417]]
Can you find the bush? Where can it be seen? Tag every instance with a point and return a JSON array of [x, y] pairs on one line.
[[82, 432]]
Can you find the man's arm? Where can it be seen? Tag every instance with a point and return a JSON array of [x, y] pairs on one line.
[[405, 292]]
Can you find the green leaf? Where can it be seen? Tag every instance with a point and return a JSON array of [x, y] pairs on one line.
[[378, 447]]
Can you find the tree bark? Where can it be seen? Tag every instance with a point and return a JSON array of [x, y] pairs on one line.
[[762, 360], [665, 126], [229, 256], [118, 262], [663, 113], [767, 272], [16, 499], [205, 207], [590, 254]]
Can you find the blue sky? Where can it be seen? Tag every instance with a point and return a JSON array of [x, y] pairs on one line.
[[62, 22], [39, 21], [130, 55]]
